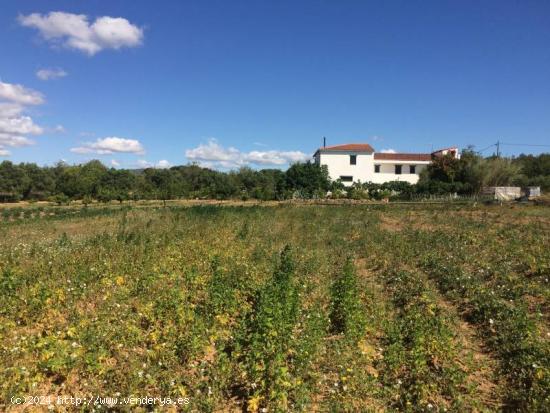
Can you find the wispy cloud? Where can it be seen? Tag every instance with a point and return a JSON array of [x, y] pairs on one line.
[[388, 151], [110, 145], [74, 31], [212, 154], [48, 74]]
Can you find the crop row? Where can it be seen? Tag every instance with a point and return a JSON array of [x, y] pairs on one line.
[[25, 214], [508, 330], [493, 275], [421, 356]]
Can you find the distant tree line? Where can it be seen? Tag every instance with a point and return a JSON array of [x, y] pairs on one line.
[[94, 181]]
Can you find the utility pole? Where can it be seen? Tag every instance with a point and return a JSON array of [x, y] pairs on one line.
[[324, 142], [498, 149]]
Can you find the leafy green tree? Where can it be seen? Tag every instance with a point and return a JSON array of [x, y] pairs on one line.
[[162, 182], [443, 168], [12, 181], [69, 182], [39, 182], [307, 178], [535, 170], [467, 175], [91, 175]]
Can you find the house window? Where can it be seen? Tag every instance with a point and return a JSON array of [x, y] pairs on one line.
[[412, 169], [346, 178], [398, 169], [377, 169], [353, 159]]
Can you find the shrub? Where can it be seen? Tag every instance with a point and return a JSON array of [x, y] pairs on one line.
[[346, 315], [60, 199], [269, 337]]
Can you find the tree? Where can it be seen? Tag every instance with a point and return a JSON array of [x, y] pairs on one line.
[[307, 178], [535, 170], [91, 175], [163, 183], [467, 175], [12, 181], [499, 172]]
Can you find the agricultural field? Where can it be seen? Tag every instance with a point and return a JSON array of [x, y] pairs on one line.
[[277, 307]]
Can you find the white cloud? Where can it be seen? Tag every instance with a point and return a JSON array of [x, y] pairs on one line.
[[212, 154], [274, 157], [388, 151], [74, 31], [142, 163], [8, 110], [162, 164], [20, 94], [115, 163], [14, 141], [47, 74], [109, 145], [14, 125], [21, 125]]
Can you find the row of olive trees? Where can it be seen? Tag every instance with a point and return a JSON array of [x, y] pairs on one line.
[[94, 181]]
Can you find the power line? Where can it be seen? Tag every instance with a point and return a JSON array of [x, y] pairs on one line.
[[524, 144], [498, 144], [484, 149]]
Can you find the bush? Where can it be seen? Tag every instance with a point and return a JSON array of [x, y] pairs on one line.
[[60, 199], [269, 337]]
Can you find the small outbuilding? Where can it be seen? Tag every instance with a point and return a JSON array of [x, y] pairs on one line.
[[503, 193], [532, 191]]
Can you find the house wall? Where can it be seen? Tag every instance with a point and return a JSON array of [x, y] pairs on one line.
[[387, 171], [339, 165]]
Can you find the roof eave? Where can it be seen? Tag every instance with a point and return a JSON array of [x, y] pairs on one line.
[[342, 151]]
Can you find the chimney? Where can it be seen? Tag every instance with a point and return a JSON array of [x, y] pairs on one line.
[[324, 142]]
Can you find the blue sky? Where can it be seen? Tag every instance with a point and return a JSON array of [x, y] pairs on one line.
[[259, 83]]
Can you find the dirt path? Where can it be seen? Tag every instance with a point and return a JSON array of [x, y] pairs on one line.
[[476, 360]]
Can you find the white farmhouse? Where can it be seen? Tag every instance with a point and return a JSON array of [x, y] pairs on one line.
[[356, 162]]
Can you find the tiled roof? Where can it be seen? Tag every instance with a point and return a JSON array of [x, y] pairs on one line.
[[354, 147], [403, 156]]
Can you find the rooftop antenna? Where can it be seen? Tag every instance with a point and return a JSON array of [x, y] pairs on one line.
[[324, 142]]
